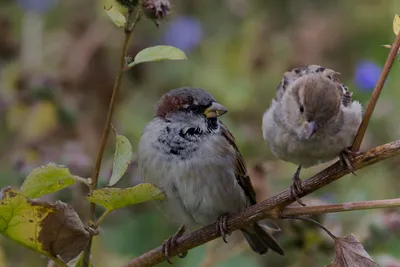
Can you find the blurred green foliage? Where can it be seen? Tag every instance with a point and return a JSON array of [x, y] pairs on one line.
[[57, 68]]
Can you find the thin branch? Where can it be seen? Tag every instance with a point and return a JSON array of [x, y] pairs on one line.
[[349, 206], [96, 171], [375, 95], [259, 211]]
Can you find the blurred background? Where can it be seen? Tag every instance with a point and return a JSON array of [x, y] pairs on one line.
[[58, 62]]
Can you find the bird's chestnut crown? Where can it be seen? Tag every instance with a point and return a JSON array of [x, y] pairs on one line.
[[193, 100]]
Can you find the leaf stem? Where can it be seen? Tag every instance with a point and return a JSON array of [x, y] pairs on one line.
[[102, 217], [59, 262], [375, 95], [86, 181], [313, 221], [106, 132]]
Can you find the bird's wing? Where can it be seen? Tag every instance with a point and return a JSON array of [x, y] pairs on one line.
[[240, 167], [294, 74]]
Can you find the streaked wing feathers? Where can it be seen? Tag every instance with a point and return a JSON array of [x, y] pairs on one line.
[[241, 172]]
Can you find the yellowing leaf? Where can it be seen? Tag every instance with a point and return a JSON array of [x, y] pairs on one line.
[[40, 120], [122, 158], [115, 198], [350, 252], [54, 230], [116, 16], [47, 179], [396, 24], [157, 53]]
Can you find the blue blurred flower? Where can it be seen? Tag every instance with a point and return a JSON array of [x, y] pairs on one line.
[[367, 75], [184, 33], [39, 6]]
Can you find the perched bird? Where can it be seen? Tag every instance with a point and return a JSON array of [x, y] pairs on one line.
[[311, 120], [191, 156]]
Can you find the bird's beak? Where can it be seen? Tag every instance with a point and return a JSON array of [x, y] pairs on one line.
[[310, 127], [215, 110]]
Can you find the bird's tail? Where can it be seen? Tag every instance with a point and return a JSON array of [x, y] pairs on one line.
[[260, 241]]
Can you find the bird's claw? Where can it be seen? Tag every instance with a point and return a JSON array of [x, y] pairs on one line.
[[345, 158], [222, 227], [295, 188], [171, 243]]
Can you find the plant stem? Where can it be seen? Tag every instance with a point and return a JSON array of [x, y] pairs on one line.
[[375, 95], [106, 132], [349, 206], [58, 262]]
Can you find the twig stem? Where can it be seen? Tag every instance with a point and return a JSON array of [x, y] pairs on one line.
[[350, 206], [375, 95], [106, 132]]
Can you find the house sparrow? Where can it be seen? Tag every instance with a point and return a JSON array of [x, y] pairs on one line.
[[311, 120], [192, 157]]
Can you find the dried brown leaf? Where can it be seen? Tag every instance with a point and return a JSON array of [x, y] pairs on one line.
[[350, 253], [54, 230]]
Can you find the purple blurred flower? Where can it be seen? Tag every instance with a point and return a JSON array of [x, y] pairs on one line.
[[184, 33], [367, 75], [39, 6]]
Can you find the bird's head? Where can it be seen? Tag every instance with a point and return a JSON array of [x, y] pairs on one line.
[[192, 106], [312, 102]]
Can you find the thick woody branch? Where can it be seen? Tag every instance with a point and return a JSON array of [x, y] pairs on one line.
[[263, 210], [349, 206]]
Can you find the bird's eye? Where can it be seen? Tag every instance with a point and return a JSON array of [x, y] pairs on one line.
[[194, 108], [190, 131], [301, 108]]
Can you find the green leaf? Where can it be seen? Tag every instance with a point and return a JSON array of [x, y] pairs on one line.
[[122, 158], [47, 179], [54, 230], [115, 198], [116, 16], [396, 24], [157, 53]]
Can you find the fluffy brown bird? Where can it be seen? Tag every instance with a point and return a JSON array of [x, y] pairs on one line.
[[311, 120]]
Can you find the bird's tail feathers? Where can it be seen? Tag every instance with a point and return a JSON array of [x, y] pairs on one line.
[[260, 240]]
